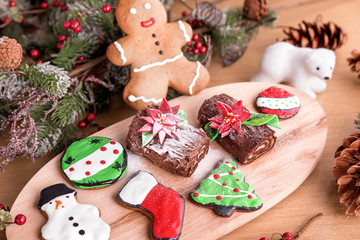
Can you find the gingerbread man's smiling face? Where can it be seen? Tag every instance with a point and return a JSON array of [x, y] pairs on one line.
[[139, 16]]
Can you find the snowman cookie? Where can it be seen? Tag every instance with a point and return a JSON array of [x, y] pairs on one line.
[[153, 48], [277, 101], [69, 220], [94, 162]]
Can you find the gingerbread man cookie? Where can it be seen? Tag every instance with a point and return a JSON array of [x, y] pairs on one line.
[[153, 48]]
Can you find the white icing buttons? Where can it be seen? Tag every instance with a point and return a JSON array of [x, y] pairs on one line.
[[133, 11], [147, 6]]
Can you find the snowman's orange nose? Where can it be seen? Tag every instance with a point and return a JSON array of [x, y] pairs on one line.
[[58, 203]]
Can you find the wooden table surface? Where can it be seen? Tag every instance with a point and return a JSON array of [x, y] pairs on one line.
[[318, 194]]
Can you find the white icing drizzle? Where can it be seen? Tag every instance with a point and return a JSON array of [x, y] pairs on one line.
[[132, 98], [121, 50], [195, 78], [183, 29], [80, 168], [143, 68], [136, 190], [278, 103], [72, 219]]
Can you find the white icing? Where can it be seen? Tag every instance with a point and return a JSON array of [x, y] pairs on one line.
[[278, 103], [136, 190], [59, 227], [133, 10], [195, 78], [231, 196], [183, 29], [143, 68], [80, 167], [147, 6], [132, 98], [121, 50]]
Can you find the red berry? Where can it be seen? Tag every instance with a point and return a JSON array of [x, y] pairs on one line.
[[90, 117], [195, 23], [67, 24], [264, 238], [39, 61], [189, 21], [100, 128], [62, 38], [189, 50], [44, 5], [101, 41], [91, 76], [80, 58], [12, 4], [76, 65], [203, 50], [106, 8], [34, 53], [2, 207], [22, 20], [64, 8], [185, 13], [74, 25], [6, 20], [196, 51], [196, 37], [198, 45], [190, 43], [78, 29], [82, 124], [20, 219], [56, 3], [287, 236], [59, 45]]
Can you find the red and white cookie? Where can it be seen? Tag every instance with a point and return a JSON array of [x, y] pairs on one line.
[[277, 101]]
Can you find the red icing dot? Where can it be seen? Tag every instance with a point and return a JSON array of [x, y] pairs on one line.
[[88, 162], [87, 173], [102, 162], [236, 190], [62, 206], [231, 173], [103, 149], [227, 162], [250, 197], [216, 176], [116, 151], [224, 184], [218, 197], [196, 194], [238, 180], [112, 142], [233, 168], [71, 169]]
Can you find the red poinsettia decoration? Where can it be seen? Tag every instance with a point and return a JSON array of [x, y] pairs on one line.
[[230, 118], [162, 121]]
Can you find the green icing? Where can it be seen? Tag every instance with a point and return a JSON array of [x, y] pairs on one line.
[[237, 194]]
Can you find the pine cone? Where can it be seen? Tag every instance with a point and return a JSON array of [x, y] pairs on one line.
[[354, 61], [209, 14], [11, 53], [232, 53], [347, 172], [316, 35], [256, 9]]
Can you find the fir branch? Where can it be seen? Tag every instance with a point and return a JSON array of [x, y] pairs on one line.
[[357, 121]]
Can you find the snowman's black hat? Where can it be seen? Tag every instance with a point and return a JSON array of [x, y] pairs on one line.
[[49, 193]]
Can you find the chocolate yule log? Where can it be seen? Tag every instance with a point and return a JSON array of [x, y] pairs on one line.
[[178, 154], [250, 144]]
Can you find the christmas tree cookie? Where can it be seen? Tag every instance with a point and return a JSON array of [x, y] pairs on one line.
[[226, 191], [94, 162]]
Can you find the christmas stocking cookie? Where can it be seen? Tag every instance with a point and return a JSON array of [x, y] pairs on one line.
[[153, 48], [226, 191], [164, 204]]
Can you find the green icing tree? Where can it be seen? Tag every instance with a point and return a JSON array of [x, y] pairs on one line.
[[226, 191]]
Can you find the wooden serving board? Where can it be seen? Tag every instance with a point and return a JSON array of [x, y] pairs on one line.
[[274, 176]]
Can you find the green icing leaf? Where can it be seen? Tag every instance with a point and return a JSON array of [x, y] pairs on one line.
[[146, 138], [226, 189], [211, 132], [258, 119], [4, 217], [181, 114]]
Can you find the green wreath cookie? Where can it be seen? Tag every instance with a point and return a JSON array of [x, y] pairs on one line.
[[94, 162]]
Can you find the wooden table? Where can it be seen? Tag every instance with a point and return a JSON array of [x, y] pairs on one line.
[[319, 192]]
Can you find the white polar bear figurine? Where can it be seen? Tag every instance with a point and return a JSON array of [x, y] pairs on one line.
[[305, 68]]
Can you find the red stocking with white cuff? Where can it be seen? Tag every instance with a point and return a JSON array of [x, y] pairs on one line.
[[164, 204]]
